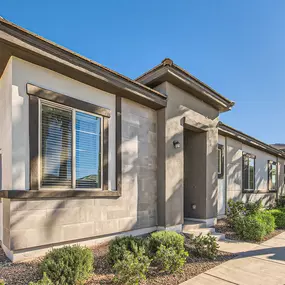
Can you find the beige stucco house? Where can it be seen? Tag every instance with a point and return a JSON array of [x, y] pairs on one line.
[[87, 154]]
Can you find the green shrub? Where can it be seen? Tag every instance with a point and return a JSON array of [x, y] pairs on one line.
[[280, 202], [68, 265], [169, 259], [254, 227], [235, 210], [252, 208], [44, 281], [279, 216], [205, 246], [168, 251], [169, 239], [132, 267], [120, 245]]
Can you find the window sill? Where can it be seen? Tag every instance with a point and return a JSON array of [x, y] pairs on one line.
[[258, 191], [39, 194]]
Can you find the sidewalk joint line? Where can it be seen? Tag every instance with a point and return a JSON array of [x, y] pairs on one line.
[[220, 278]]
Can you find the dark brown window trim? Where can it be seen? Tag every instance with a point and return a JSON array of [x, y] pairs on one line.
[[39, 194], [119, 144], [221, 175], [67, 100], [34, 154]]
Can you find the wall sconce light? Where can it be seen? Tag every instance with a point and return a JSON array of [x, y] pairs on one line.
[[176, 144], [193, 206]]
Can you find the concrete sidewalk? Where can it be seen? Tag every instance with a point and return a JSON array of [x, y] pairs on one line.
[[254, 265]]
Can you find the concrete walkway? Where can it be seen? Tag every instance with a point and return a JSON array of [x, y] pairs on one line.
[[254, 265]]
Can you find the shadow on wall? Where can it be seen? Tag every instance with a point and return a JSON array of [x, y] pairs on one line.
[[234, 183]]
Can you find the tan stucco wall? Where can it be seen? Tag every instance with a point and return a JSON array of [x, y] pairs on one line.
[[6, 125], [183, 105], [233, 171], [34, 223]]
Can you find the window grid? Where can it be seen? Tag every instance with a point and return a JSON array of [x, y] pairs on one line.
[[73, 148]]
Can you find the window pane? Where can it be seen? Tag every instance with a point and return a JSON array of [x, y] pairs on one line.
[[219, 161], [56, 147], [245, 172], [88, 151], [251, 173]]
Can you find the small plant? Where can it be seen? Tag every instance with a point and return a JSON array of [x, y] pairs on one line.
[[168, 251], [279, 216], [132, 268], [255, 227], [44, 281], [169, 259], [205, 246], [235, 210], [2, 282], [120, 245], [68, 265]]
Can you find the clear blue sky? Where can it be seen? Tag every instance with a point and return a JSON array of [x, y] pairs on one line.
[[235, 46]]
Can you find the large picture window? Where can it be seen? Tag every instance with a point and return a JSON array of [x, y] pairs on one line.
[[70, 148], [272, 175], [248, 176]]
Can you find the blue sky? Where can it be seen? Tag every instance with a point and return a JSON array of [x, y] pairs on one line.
[[235, 46]]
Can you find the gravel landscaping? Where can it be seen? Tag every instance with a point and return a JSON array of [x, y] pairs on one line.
[[24, 272], [223, 226]]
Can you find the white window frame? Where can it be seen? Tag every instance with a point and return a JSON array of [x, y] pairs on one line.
[[73, 145]]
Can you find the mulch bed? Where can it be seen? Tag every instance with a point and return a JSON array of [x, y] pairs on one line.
[[223, 226], [24, 272]]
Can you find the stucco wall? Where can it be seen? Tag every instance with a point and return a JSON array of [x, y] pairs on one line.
[[184, 105], [233, 172], [44, 222], [6, 126]]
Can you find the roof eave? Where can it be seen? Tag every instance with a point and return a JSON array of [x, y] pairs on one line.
[[163, 73], [28, 46], [228, 131]]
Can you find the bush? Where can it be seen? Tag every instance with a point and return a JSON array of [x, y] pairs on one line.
[[234, 211], [68, 265], [169, 259], [44, 281], [120, 245], [132, 267], [205, 246], [252, 208], [280, 202], [168, 251], [279, 216], [167, 238], [254, 227]]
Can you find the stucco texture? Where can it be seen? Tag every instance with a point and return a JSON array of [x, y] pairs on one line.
[[34, 223]]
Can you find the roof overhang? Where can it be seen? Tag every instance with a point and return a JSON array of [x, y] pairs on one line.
[[170, 72], [18, 42], [228, 131]]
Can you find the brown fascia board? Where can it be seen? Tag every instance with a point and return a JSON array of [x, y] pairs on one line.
[[228, 131], [168, 71], [28, 46]]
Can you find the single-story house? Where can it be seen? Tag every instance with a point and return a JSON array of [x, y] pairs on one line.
[[87, 154]]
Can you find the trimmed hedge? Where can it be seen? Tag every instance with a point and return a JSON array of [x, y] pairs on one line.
[[279, 216], [254, 227], [68, 265]]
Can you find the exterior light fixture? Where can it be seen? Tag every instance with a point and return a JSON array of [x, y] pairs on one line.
[[176, 144]]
